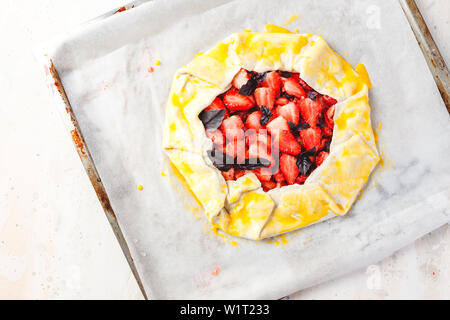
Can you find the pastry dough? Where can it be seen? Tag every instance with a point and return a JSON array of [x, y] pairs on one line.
[[241, 207]]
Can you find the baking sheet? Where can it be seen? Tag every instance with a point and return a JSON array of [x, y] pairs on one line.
[[119, 106]]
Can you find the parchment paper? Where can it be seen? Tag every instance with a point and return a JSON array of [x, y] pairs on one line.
[[119, 104]]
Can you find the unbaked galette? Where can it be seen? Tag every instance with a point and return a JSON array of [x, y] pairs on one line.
[[271, 132]]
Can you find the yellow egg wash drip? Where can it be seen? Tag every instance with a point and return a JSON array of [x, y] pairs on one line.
[[271, 28], [291, 19], [213, 231], [278, 240], [377, 131], [385, 163]]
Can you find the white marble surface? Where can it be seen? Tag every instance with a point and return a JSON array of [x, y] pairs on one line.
[[54, 239]]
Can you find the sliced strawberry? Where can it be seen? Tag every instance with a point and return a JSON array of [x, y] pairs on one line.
[[288, 166], [311, 138], [253, 99], [275, 167], [278, 124], [288, 144], [261, 136], [239, 173], [279, 176], [281, 101], [321, 157], [265, 97], [304, 84], [260, 150], [263, 174], [293, 88], [329, 100], [233, 127], [241, 79], [243, 115], [236, 149], [273, 80], [234, 134], [285, 74], [322, 102], [217, 137], [310, 111], [290, 111], [301, 179], [327, 132], [268, 185], [281, 184], [228, 175], [295, 76], [218, 104], [254, 121], [264, 137], [323, 143], [330, 116], [237, 102]]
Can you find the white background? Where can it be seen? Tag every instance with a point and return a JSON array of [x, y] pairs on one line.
[[55, 241]]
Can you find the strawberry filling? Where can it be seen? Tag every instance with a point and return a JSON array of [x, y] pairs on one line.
[[272, 124]]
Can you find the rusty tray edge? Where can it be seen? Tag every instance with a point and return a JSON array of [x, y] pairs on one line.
[[66, 112], [424, 38], [432, 55], [91, 170]]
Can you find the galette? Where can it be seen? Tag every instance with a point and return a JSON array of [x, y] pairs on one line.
[[271, 132]]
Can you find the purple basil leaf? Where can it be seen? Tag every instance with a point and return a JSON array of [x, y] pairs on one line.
[[294, 128], [303, 126], [304, 164], [212, 119], [287, 96], [259, 77], [313, 95], [285, 74], [254, 163], [266, 115], [321, 123], [221, 160], [309, 153], [249, 88]]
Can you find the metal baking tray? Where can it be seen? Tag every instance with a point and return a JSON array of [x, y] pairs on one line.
[[425, 40]]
